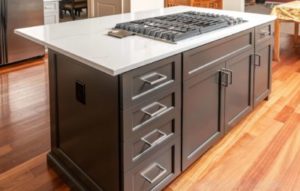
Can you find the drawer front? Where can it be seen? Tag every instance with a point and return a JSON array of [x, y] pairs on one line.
[[149, 142], [147, 81], [263, 33], [197, 60], [157, 171], [50, 7], [145, 116]]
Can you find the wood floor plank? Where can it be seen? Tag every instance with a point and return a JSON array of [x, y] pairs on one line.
[[265, 161], [5, 150], [24, 112]]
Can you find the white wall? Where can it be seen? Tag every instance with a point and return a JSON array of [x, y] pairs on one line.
[[235, 5], [140, 5]]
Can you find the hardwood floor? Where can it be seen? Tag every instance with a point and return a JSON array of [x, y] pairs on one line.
[[24, 121], [261, 153]]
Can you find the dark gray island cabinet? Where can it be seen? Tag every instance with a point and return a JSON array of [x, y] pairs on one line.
[[139, 130]]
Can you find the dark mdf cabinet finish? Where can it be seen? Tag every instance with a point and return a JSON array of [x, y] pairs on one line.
[[216, 92], [262, 72], [84, 124], [202, 124], [115, 133], [139, 130], [238, 93], [263, 62]]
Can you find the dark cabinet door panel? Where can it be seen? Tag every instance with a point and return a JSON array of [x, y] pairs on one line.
[[238, 94], [202, 114], [262, 72]]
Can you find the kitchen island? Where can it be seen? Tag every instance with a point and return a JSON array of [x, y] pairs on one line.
[[133, 113]]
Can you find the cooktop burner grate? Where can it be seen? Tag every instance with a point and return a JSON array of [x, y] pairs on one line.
[[176, 27]]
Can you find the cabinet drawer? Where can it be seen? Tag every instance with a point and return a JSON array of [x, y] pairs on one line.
[[196, 60], [263, 33], [150, 141], [144, 82], [146, 115], [157, 171], [50, 7]]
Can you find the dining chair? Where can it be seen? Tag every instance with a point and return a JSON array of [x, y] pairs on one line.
[[75, 7]]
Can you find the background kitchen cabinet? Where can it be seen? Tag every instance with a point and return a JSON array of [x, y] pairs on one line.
[[107, 7], [199, 3], [140, 5], [51, 11]]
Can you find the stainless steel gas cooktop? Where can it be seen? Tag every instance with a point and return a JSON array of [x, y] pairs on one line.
[[176, 27]]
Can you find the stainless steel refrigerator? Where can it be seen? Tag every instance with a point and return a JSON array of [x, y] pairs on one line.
[[18, 14]]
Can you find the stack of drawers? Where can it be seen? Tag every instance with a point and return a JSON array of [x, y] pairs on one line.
[[151, 116]]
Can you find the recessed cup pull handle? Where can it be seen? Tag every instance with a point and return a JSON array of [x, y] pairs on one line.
[[153, 78], [161, 174], [162, 138], [161, 110]]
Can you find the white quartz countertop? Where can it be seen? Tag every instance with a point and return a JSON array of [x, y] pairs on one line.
[[87, 40]]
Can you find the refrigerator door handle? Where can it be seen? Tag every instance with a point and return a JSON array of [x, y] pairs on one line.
[[1, 32], [3, 24]]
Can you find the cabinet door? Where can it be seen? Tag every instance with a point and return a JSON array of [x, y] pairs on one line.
[[107, 7], [183, 2], [238, 94], [262, 72], [202, 122]]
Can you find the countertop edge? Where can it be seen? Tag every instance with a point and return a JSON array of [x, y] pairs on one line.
[[120, 70], [73, 56]]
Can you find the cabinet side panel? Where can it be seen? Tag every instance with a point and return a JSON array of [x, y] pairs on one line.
[[86, 120]]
